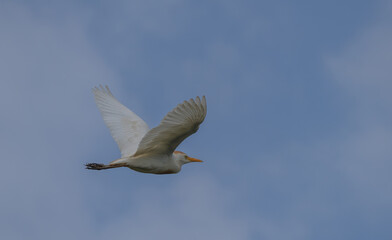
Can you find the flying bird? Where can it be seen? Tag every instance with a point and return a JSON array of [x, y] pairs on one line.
[[149, 150]]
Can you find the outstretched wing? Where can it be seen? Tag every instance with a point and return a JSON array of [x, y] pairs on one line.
[[180, 123], [126, 127]]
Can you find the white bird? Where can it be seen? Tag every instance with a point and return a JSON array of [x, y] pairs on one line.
[[149, 150]]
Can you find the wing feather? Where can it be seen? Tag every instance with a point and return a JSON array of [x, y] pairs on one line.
[[126, 127], [178, 124]]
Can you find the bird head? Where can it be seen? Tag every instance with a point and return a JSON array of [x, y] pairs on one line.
[[183, 158]]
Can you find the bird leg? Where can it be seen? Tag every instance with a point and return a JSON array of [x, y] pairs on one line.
[[100, 166]]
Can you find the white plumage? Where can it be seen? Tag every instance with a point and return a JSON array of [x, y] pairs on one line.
[[149, 150]]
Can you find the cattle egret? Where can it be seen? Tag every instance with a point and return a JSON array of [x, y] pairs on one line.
[[149, 150]]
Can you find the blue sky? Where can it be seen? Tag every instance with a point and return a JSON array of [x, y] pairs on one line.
[[296, 143]]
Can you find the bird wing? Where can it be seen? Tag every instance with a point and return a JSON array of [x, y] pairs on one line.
[[178, 124], [126, 127]]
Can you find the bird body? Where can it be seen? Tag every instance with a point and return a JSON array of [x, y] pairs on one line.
[[155, 163], [149, 150]]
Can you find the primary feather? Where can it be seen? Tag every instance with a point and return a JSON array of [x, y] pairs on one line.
[[178, 124], [126, 127], [133, 135]]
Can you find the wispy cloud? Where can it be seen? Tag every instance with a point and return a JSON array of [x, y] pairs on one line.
[[47, 70], [363, 71], [49, 131], [321, 187]]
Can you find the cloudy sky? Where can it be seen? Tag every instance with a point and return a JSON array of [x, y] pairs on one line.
[[296, 143]]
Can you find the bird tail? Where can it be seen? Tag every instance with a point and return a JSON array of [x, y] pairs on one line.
[[120, 161]]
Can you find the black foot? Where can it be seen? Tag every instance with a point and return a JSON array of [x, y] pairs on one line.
[[95, 166]]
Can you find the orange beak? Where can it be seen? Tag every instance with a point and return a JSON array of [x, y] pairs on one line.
[[194, 159]]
